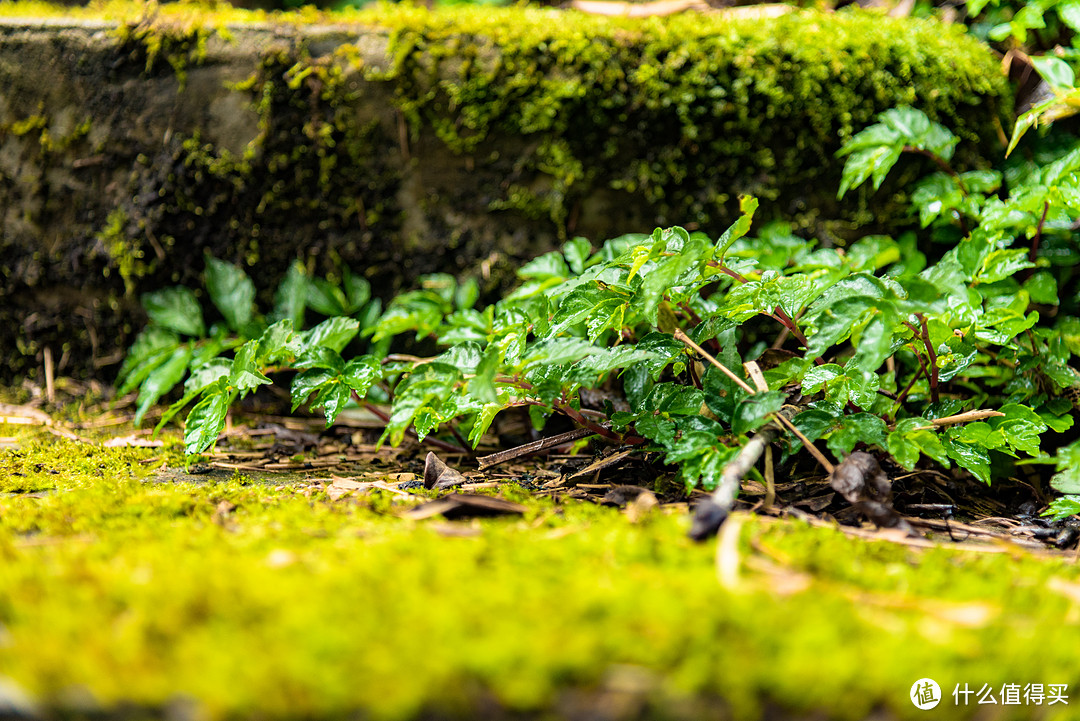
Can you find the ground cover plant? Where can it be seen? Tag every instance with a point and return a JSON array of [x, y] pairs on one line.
[[927, 348]]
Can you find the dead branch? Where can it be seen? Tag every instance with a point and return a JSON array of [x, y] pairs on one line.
[[711, 513], [527, 449]]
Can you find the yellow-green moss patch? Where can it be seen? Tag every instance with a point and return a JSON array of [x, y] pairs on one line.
[[254, 600]]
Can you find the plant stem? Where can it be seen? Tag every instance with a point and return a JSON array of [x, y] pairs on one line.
[[931, 358], [911, 384], [579, 418], [1038, 233], [818, 455], [940, 162], [430, 440], [685, 340]]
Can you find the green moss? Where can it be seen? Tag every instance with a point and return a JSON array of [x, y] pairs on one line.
[[685, 112], [124, 256], [258, 600]]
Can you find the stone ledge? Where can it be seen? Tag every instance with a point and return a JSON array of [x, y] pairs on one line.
[[404, 142]]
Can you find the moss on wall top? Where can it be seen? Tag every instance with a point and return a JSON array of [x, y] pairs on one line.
[[686, 111]]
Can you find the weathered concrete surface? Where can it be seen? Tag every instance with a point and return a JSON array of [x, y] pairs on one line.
[[125, 154]]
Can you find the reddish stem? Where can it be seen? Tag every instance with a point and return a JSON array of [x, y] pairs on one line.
[[1038, 233], [931, 357], [430, 440], [948, 169]]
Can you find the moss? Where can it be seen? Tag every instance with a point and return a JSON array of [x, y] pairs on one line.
[[685, 112], [255, 600], [125, 256]]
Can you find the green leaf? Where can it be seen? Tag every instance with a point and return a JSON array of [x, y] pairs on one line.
[[869, 163], [206, 420], [290, 298], [332, 397], [326, 298], [549, 265], [1069, 12], [816, 377], [1062, 508], [601, 304], [307, 382], [161, 380], [673, 399], [1067, 479], [855, 429], [333, 333], [753, 412], [1055, 71], [1042, 287], [245, 373], [320, 357], [175, 309], [277, 342], [1001, 264], [357, 291], [152, 347], [577, 253], [609, 359], [969, 456], [483, 422], [231, 292], [748, 205], [816, 422], [360, 373], [912, 436]]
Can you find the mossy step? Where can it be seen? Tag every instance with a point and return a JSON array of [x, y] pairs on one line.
[[402, 141]]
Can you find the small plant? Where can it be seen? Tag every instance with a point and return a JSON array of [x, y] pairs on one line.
[[870, 346]]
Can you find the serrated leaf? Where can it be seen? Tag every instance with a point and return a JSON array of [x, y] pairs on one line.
[[360, 373], [245, 374], [969, 456], [598, 304], [577, 253], [176, 309], [332, 397], [231, 291], [320, 357], [1067, 480], [483, 422], [206, 421], [1001, 264], [673, 399], [748, 205], [857, 428], [333, 333], [869, 163], [753, 411], [307, 382], [277, 342]]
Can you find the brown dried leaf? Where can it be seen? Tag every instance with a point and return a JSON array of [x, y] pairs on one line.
[[464, 505]]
